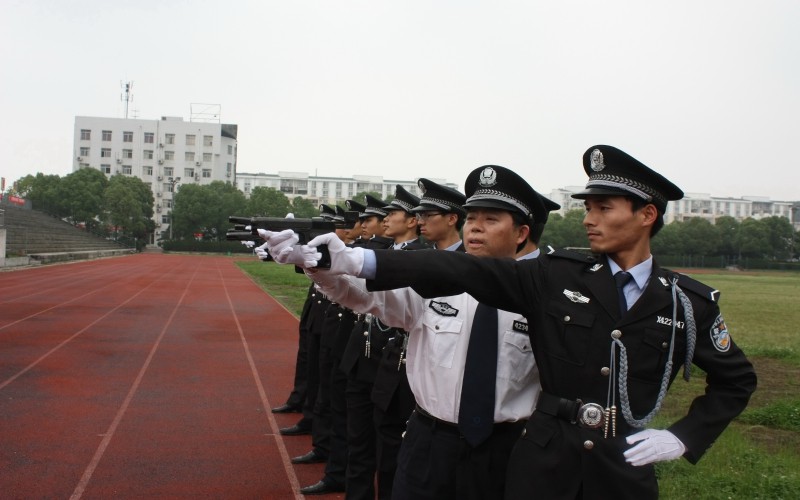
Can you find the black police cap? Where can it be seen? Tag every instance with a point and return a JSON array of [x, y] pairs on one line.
[[354, 206], [493, 186], [327, 212], [615, 173], [403, 200], [374, 207], [438, 197]]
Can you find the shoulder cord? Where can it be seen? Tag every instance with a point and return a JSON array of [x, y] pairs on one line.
[[691, 339]]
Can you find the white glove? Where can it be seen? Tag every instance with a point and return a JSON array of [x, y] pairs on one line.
[[249, 244], [344, 259], [261, 252], [654, 446], [277, 242]]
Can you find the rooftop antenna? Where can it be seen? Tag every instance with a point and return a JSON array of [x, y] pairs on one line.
[[126, 96]]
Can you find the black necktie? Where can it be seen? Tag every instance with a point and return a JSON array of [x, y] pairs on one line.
[[622, 278], [476, 413]]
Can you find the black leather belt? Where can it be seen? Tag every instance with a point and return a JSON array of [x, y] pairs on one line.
[[589, 415], [451, 428]]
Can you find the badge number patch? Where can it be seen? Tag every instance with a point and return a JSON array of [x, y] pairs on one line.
[[719, 335]]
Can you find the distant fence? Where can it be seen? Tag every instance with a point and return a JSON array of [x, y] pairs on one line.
[[724, 262]]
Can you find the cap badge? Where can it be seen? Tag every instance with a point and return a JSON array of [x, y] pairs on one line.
[[421, 186], [488, 177], [596, 161]]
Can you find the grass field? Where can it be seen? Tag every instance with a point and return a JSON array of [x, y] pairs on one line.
[[758, 457]]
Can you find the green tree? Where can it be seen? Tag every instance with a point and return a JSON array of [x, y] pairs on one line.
[[752, 240], [205, 209], [780, 234], [268, 202], [727, 229], [82, 196], [304, 208], [129, 206], [43, 191], [668, 241], [566, 231], [699, 237]]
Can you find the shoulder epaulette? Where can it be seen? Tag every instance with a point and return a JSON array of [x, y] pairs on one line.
[[570, 254], [695, 286]]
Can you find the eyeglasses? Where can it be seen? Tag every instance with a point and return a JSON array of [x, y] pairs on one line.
[[423, 216]]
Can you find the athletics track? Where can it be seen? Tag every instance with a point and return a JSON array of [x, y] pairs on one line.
[[147, 376]]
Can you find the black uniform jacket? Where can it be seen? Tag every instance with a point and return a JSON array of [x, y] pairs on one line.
[[571, 304]]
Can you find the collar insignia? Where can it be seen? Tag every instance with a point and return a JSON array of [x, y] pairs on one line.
[[663, 281], [596, 267], [443, 308], [576, 297]]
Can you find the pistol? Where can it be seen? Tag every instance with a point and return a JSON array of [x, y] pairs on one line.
[[306, 229]]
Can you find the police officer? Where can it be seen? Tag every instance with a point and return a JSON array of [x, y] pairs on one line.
[[610, 333], [440, 215], [360, 364], [445, 454]]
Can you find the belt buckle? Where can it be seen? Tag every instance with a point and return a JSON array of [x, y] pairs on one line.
[[590, 415]]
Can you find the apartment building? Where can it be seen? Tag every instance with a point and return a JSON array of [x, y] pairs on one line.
[[162, 153], [321, 189]]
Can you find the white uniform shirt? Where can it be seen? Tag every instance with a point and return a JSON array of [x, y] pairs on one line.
[[439, 331]]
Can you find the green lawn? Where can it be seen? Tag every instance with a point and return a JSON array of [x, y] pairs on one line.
[[758, 457]]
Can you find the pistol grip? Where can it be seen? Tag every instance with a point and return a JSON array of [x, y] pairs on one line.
[[325, 261]]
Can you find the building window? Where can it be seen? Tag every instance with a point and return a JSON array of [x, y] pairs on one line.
[[190, 140], [86, 134], [106, 135], [208, 140], [148, 154], [169, 155], [165, 219], [105, 168], [127, 137], [207, 157], [188, 172], [127, 153], [168, 187], [83, 165], [188, 156], [230, 149], [168, 171], [168, 203], [149, 137], [207, 173], [169, 138], [148, 170], [105, 153], [126, 169], [84, 152], [229, 168]]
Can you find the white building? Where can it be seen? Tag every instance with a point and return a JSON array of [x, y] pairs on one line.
[[162, 153], [320, 189], [701, 205]]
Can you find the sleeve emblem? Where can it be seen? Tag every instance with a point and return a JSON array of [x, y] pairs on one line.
[[719, 335]]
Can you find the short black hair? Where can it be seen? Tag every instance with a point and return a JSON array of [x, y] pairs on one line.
[[638, 204]]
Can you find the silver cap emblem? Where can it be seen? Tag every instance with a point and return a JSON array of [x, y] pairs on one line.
[[421, 187], [596, 161], [488, 177]]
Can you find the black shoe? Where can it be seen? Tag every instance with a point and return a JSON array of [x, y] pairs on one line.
[[287, 408], [295, 430], [310, 458], [321, 488]]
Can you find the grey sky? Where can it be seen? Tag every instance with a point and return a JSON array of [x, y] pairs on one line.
[[706, 92]]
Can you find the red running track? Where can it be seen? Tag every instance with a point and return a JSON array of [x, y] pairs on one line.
[[147, 376]]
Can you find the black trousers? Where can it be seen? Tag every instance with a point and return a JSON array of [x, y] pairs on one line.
[[361, 461], [436, 463], [390, 424]]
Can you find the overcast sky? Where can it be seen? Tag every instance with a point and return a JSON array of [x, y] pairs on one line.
[[706, 92]]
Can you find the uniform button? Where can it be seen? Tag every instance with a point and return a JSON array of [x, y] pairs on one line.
[[588, 444], [605, 371], [524, 431], [340, 315], [567, 319], [664, 345], [616, 334], [366, 333], [319, 302], [436, 327]]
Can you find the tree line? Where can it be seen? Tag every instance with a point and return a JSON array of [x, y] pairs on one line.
[[125, 205]]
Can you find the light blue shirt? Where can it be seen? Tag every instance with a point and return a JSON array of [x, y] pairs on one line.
[[641, 276]]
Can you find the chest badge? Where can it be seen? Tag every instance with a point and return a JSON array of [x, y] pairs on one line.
[[443, 308], [576, 297]]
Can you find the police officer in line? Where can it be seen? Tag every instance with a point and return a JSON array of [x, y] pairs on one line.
[[337, 326], [610, 333], [317, 407], [440, 215], [360, 364], [391, 393]]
